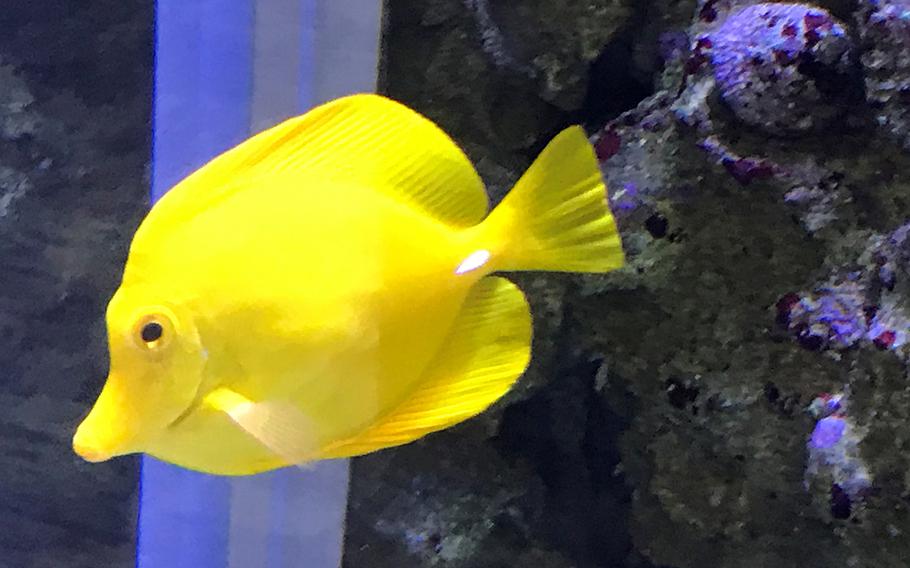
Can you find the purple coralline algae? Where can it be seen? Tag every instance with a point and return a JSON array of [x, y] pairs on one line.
[[831, 318], [861, 307], [625, 199], [744, 169], [828, 432], [781, 68], [834, 461], [894, 256], [884, 27], [827, 404]]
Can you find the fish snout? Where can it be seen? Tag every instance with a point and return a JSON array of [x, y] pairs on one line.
[[88, 448], [108, 430], [92, 447]]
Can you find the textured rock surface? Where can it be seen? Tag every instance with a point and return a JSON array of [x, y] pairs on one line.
[[885, 27], [74, 104], [781, 67], [737, 395]]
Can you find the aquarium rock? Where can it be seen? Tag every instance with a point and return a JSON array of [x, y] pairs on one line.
[[884, 26], [781, 68], [763, 213]]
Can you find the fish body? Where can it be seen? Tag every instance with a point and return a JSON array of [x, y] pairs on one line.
[[324, 290], [341, 328]]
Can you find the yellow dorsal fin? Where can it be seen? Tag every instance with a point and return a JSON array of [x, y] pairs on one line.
[[486, 351], [365, 140]]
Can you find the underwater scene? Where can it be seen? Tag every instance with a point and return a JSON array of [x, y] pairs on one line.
[[455, 284]]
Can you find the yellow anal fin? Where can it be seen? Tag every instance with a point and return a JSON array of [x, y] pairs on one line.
[[278, 426], [364, 140], [486, 351]]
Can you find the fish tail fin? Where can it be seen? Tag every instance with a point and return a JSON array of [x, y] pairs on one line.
[[556, 217]]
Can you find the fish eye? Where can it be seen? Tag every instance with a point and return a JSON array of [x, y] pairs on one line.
[[151, 331]]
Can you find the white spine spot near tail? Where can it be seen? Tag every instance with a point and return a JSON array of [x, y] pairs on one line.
[[474, 261]]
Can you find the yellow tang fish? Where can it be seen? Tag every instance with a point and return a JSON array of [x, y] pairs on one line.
[[324, 290]]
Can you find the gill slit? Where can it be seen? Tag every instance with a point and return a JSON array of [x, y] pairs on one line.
[[198, 397]]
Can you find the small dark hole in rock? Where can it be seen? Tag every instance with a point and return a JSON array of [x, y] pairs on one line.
[[614, 84], [680, 392], [840, 502], [772, 393], [657, 225]]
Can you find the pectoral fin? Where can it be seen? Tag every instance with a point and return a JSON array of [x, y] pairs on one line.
[[279, 426]]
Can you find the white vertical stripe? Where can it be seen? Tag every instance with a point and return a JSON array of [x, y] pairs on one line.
[[343, 53], [347, 40], [250, 522], [276, 62]]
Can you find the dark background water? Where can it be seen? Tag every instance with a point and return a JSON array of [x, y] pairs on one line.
[[75, 101]]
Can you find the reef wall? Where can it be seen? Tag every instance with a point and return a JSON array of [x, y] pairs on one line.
[[737, 395]]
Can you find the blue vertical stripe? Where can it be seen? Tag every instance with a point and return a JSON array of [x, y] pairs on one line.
[[206, 100], [279, 518], [308, 18], [203, 84], [183, 518], [202, 90]]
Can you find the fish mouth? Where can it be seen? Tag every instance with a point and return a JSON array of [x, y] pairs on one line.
[[88, 447], [90, 454], [92, 449], [103, 434]]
